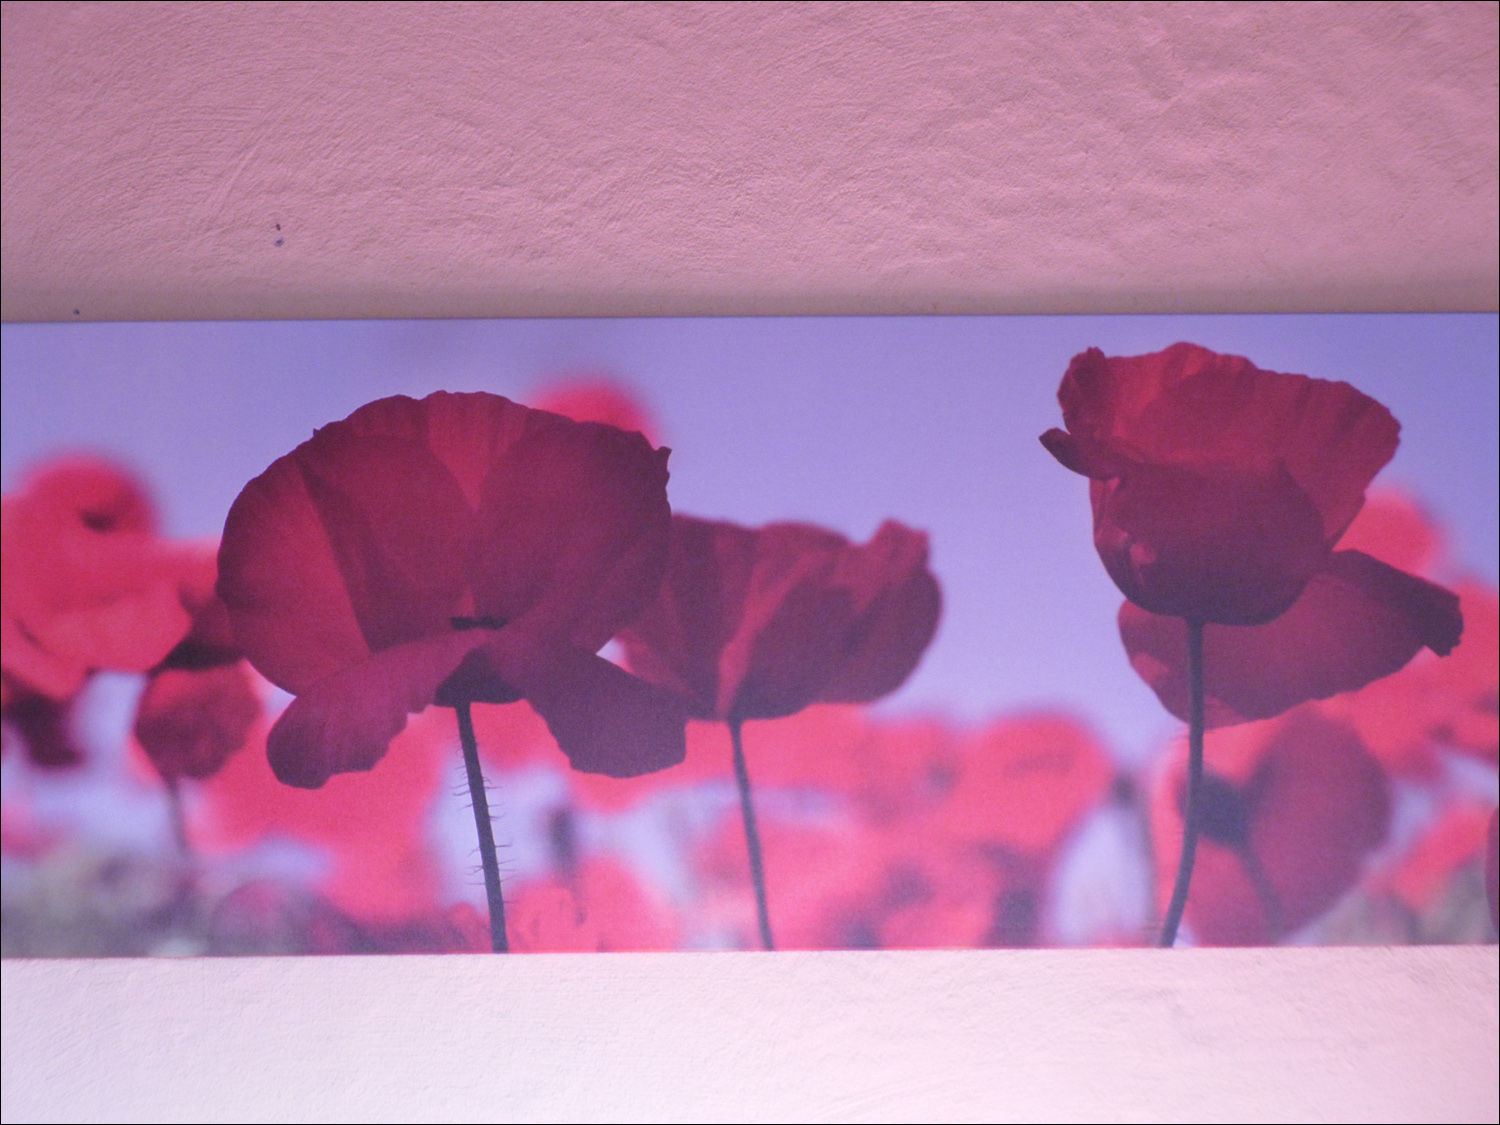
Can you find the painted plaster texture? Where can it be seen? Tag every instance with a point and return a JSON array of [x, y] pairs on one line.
[[233, 160]]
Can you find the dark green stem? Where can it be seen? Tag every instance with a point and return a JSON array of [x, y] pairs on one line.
[[498, 940], [752, 835], [1190, 815]]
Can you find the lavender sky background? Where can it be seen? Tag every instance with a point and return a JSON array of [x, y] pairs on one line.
[[838, 421]]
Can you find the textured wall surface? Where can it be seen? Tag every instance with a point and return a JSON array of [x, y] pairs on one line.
[[298, 160], [288, 160]]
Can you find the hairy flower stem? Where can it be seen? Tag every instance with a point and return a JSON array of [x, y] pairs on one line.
[[752, 835], [498, 940], [1194, 790]]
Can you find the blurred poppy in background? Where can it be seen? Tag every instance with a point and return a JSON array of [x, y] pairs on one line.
[[1292, 808], [86, 585]]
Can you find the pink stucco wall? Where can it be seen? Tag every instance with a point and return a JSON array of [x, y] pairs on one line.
[[614, 159], [687, 158]]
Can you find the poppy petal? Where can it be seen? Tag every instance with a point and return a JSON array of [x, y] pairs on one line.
[[129, 634], [346, 721], [399, 527], [466, 432], [677, 639], [783, 665], [282, 583], [603, 718], [574, 528], [1188, 405], [900, 605], [1208, 544], [792, 630], [1357, 621]]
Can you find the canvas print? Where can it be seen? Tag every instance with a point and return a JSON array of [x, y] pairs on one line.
[[749, 634]]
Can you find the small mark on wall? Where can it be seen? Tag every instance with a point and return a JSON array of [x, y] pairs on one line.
[[279, 240]]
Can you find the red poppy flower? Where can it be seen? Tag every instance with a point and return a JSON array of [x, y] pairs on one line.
[[1219, 490], [87, 584], [757, 624], [1291, 809], [603, 909], [191, 720], [458, 549], [1024, 783]]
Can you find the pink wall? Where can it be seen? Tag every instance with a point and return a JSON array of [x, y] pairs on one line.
[[768, 158], [563, 159]]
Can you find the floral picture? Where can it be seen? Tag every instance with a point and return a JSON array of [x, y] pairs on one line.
[[749, 634]]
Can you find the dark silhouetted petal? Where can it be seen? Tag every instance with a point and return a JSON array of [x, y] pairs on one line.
[[1357, 621], [757, 624], [899, 603], [574, 529], [1229, 547], [347, 721], [399, 527], [278, 574], [677, 640], [604, 719], [781, 665]]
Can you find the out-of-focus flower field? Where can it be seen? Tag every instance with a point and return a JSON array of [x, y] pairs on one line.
[[162, 796]]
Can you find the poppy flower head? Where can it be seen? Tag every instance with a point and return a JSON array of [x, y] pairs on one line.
[[1218, 489], [1291, 810], [87, 584], [190, 721], [462, 548], [757, 624]]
